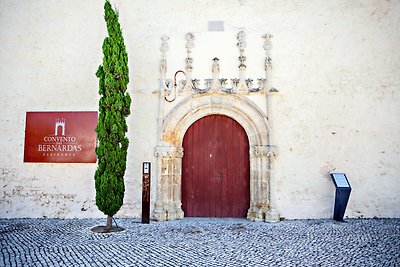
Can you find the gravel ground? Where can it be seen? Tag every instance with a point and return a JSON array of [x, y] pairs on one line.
[[201, 242]]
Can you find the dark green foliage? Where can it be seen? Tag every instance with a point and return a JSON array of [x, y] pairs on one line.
[[114, 107]]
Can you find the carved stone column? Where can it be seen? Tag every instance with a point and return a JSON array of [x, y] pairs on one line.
[[260, 209], [168, 203], [259, 179]]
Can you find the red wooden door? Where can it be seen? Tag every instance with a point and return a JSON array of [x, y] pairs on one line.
[[215, 169]]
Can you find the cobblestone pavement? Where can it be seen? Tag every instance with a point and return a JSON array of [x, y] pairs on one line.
[[201, 242]]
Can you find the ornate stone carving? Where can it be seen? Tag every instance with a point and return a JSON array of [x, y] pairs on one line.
[[268, 61], [168, 204], [215, 67], [241, 44], [164, 49], [165, 84], [268, 151], [189, 44], [189, 66], [259, 151], [267, 47], [187, 84], [169, 152], [215, 84], [189, 59]]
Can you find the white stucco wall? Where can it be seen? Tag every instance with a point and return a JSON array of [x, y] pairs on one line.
[[336, 66]]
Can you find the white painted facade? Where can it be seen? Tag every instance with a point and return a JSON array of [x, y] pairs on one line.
[[336, 66]]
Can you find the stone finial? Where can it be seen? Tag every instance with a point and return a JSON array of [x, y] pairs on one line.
[[164, 46], [267, 47], [267, 42], [164, 49], [189, 42], [241, 44], [189, 46], [215, 66]]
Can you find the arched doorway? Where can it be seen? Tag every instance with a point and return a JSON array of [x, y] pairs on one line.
[[215, 169], [169, 152]]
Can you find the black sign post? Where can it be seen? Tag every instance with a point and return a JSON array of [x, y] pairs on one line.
[[146, 192], [342, 195]]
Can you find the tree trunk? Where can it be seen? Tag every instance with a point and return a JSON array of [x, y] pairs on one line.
[[109, 223]]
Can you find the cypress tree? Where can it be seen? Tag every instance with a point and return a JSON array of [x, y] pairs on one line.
[[114, 107]]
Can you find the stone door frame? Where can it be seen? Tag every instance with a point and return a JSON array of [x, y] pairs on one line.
[[170, 152]]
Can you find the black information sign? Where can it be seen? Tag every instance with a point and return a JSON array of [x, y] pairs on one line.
[[146, 192], [342, 194]]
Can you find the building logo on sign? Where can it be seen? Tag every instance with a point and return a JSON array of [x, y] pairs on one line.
[[60, 137], [60, 122]]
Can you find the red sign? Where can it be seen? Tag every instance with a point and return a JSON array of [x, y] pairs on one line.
[[61, 137]]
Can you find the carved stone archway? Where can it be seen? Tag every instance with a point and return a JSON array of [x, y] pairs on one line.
[[170, 152]]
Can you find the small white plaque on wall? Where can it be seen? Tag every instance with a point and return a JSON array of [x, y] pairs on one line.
[[216, 26]]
